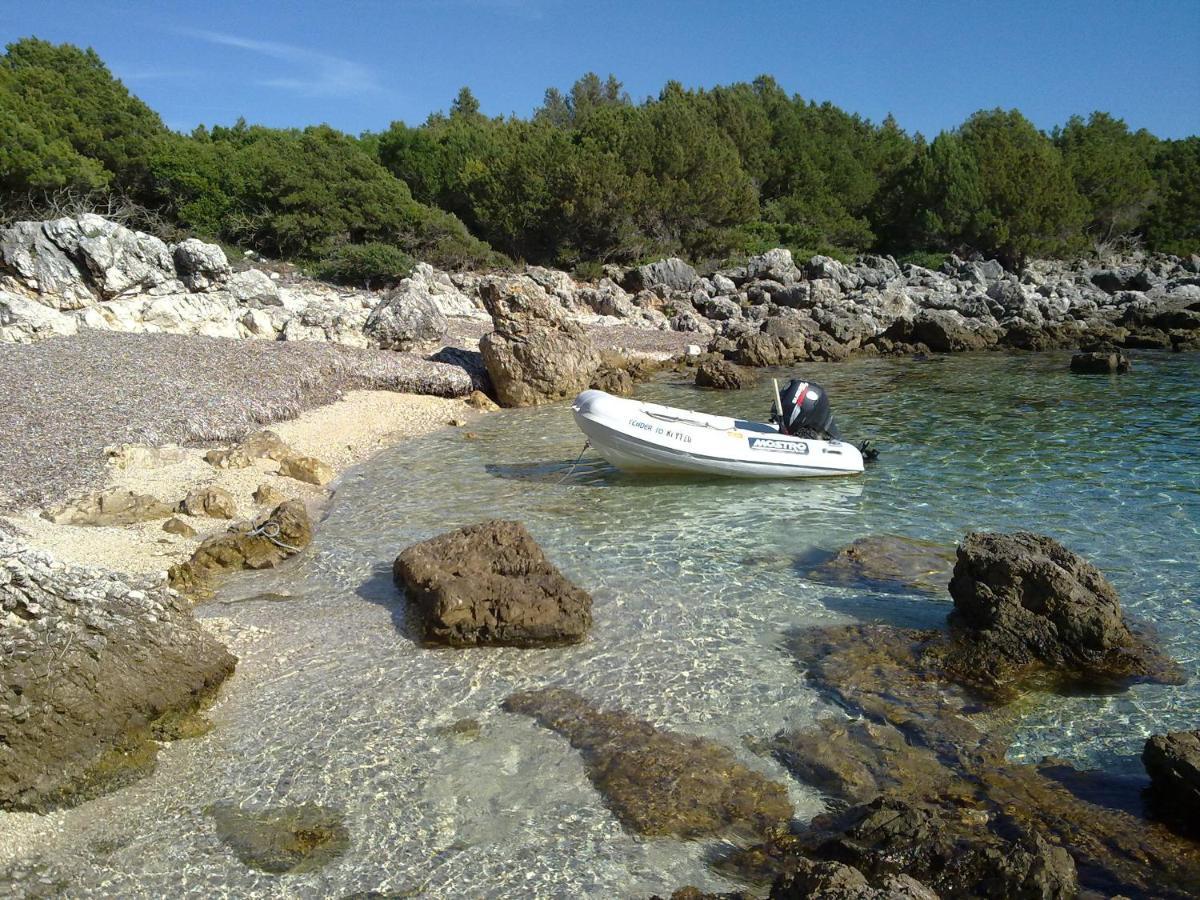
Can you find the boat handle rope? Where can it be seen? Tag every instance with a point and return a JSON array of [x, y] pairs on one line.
[[270, 530], [567, 474]]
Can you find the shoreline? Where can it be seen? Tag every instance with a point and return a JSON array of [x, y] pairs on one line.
[[342, 434]]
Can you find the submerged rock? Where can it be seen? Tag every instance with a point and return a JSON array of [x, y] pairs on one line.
[[1173, 764], [657, 782], [1025, 605], [490, 584], [261, 545], [1100, 363], [890, 562], [281, 840], [112, 507], [933, 795], [88, 661]]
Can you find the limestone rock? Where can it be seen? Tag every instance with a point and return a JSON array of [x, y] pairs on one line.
[[88, 660], [308, 469], [200, 265], [263, 545], [111, 507], [265, 495], [491, 584], [658, 782], [481, 401], [23, 321], [176, 525], [671, 273], [253, 287], [774, 265], [214, 502], [406, 317], [722, 376], [534, 355]]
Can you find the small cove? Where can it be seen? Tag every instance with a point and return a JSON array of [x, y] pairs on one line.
[[695, 583]]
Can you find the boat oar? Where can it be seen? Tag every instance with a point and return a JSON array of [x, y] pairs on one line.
[[778, 402]]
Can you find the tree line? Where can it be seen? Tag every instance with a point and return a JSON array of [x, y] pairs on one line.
[[592, 177]]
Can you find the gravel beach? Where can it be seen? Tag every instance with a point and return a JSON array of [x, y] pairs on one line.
[[67, 399]]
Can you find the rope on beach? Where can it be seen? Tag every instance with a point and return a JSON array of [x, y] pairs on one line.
[[270, 530], [568, 473]]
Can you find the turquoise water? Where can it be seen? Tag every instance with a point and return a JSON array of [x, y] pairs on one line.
[[695, 582]]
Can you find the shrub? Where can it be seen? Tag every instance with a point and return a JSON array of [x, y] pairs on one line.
[[369, 265]]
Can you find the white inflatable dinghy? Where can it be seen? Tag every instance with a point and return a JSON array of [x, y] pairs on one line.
[[645, 437]]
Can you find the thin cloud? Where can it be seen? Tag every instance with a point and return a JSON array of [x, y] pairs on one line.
[[320, 75]]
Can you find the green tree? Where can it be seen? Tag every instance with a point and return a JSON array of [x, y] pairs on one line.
[[1172, 222], [1111, 169]]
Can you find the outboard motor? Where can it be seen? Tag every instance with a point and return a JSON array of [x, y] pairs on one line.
[[806, 411]]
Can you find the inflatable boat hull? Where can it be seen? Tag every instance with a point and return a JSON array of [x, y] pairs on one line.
[[645, 437]]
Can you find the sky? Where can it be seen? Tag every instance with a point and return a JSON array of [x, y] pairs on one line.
[[358, 66]]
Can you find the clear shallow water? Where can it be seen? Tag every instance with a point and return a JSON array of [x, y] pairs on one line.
[[694, 582]]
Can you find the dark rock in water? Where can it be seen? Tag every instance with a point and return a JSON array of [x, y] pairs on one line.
[[290, 839], [1099, 363], [1173, 764], [954, 856], [491, 584], [88, 662], [823, 880], [263, 545], [1024, 604], [657, 782], [722, 376], [890, 562], [937, 798]]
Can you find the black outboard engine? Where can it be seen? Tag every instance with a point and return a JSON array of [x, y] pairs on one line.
[[806, 411]]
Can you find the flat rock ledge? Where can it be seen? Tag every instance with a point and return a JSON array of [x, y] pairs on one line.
[[491, 584], [658, 782], [89, 662]]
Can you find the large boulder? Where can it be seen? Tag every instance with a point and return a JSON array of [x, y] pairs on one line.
[[491, 584], [406, 317], [263, 544], [113, 258], [1023, 602], [1173, 763], [88, 662], [29, 254], [722, 376], [534, 355], [774, 265], [672, 273], [23, 321], [200, 266]]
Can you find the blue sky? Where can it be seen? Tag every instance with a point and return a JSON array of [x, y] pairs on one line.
[[360, 65]]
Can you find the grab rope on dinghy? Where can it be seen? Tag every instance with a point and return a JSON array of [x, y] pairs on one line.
[[570, 471]]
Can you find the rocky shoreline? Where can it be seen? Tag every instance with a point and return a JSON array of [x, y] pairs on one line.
[[140, 375]]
